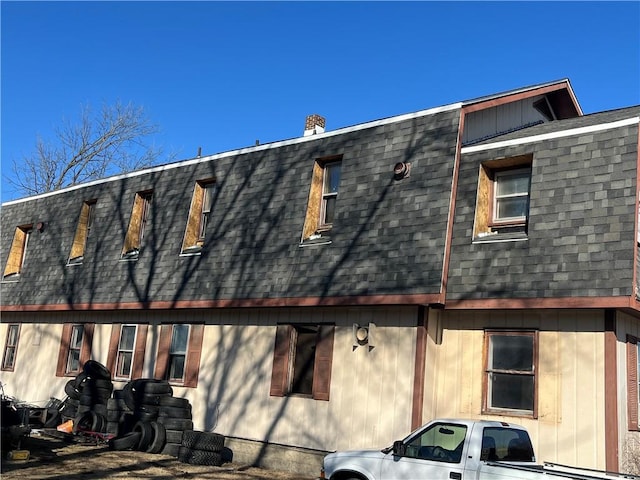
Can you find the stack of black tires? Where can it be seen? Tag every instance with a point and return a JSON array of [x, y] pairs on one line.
[[201, 448], [87, 396]]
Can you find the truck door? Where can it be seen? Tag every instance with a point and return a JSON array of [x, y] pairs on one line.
[[434, 453]]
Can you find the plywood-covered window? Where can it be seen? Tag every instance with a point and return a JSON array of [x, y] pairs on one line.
[[75, 348], [179, 350], [11, 347], [127, 350], [502, 204], [510, 366], [199, 216], [137, 225], [83, 230], [302, 361], [18, 252], [323, 196]]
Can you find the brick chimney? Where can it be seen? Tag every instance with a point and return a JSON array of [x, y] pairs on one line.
[[314, 124]]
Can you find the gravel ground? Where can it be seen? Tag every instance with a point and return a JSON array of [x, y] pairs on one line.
[[59, 459]]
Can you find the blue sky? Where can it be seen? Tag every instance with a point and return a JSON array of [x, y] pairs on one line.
[[221, 75]]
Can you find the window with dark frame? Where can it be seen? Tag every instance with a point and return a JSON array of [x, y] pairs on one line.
[[75, 347], [178, 353], [126, 350], [83, 230], [302, 361], [11, 347], [510, 372], [304, 339], [18, 252]]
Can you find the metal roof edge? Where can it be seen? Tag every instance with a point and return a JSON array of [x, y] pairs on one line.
[[244, 150]]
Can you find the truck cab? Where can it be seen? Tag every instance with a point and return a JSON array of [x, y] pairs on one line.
[[442, 449]]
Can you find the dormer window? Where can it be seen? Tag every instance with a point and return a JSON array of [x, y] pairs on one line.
[[137, 223], [199, 217], [83, 230], [323, 195], [18, 252]]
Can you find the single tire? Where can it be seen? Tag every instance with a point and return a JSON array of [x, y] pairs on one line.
[[100, 408], [150, 385], [174, 436], [144, 408], [129, 396], [175, 412], [71, 390], [96, 370], [145, 416], [176, 423], [83, 421], [159, 438], [208, 441], [146, 435], [113, 427], [128, 441], [54, 419], [199, 457], [174, 402], [153, 399], [171, 449], [113, 415], [79, 381], [82, 409], [100, 383]]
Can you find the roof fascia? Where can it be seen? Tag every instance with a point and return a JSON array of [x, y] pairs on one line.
[[551, 135], [515, 95], [241, 151]]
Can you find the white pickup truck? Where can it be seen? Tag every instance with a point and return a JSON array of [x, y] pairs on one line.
[[458, 450]]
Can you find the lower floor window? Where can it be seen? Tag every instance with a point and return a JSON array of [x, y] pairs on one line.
[[75, 345], [11, 347], [178, 352], [302, 361], [126, 346], [510, 372]]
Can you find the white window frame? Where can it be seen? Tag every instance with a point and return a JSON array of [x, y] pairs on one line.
[[327, 195], [174, 354], [496, 197], [122, 352], [11, 345], [74, 338]]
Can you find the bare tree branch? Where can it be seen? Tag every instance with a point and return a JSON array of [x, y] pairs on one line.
[[111, 142]]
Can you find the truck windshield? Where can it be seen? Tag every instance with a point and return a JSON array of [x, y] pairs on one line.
[[506, 444]]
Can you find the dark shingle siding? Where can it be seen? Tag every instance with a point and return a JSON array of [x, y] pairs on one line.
[[388, 236], [581, 230]]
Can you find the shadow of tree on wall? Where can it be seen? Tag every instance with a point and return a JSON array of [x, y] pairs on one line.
[[252, 250]]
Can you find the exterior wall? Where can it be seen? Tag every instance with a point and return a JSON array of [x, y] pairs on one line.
[[371, 389], [629, 441], [500, 119], [570, 424]]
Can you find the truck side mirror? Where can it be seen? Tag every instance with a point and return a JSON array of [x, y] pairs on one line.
[[399, 448]]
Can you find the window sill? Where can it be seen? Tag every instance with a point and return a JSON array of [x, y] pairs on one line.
[[316, 239], [501, 237], [12, 279], [191, 251], [510, 413]]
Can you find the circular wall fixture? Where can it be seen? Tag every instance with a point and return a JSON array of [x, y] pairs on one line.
[[401, 170], [362, 334]]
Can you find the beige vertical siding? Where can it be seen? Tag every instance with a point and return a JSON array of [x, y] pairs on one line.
[[371, 389], [570, 424]]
